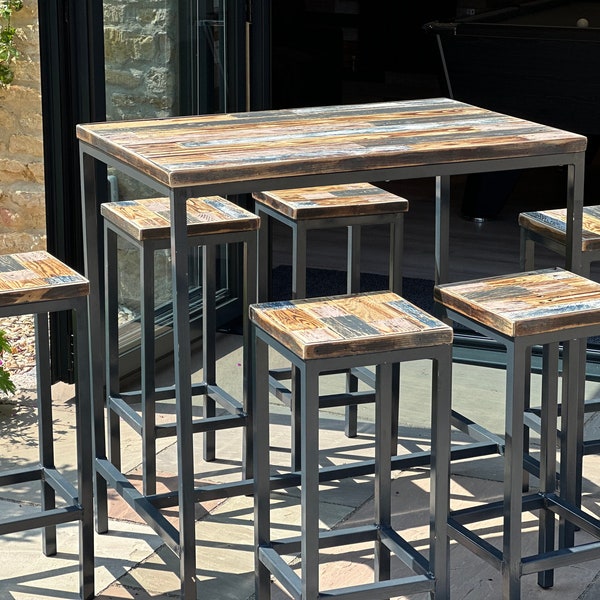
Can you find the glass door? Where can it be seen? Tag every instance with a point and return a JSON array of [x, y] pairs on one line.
[[110, 59], [166, 58]]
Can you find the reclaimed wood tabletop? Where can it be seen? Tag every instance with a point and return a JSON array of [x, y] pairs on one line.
[[263, 145]]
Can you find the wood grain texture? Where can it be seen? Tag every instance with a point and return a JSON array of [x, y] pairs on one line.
[[347, 200], [151, 218], [337, 326], [526, 303], [552, 224], [36, 276], [262, 145]]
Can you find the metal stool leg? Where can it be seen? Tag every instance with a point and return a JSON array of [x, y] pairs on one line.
[[209, 331], [517, 372], [309, 397], [549, 418], [439, 498], [148, 380], [352, 286], [383, 472], [46, 436], [85, 453], [259, 399], [111, 285]]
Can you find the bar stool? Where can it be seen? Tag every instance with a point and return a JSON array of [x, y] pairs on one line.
[[146, 225], [544, 308], [352, 206], [319, 335], [548, 229], [39, 284]]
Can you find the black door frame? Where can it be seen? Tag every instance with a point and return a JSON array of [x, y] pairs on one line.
[[73, 91]]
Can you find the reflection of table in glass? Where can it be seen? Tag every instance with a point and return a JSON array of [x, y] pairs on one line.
[[238, 153]]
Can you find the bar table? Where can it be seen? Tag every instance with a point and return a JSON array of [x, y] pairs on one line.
[[222, 154]]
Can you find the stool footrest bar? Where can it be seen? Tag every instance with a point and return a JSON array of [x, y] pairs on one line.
[[284, 573], [23, 475], [411, 557], [475, 543], [560, 558], [61, 485], [139, 503], [55, 516]]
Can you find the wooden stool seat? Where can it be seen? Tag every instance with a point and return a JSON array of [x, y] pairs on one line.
[[332, 201], [148, 219], [529, 303], [37, 277], [553, 224], [349, 325], [38, 284], [335, 334], [548, 308], [548, 229]]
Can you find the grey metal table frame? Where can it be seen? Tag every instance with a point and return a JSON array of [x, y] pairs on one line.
[[328, 165]]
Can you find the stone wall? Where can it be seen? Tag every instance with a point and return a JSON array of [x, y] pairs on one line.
[[140, 79], [22, 209], [141, 67], [140, 56]]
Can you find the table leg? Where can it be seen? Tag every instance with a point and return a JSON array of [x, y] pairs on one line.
[[442, 228], [91, 173], [183, 396], [575, 198]]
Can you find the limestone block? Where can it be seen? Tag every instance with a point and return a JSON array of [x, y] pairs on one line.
[[12, 170], [26, 145], [36, 171]]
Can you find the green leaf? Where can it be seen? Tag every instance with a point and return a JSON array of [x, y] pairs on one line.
[[6, 385]]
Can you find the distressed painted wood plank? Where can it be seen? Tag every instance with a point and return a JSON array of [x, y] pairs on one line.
[[348, 200], [552, 224], [348, 325], [526, 303], [185, 151], [36, 276], [150, 218]]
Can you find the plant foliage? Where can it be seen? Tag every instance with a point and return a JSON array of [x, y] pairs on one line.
[[8, 50], [6, 385]]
